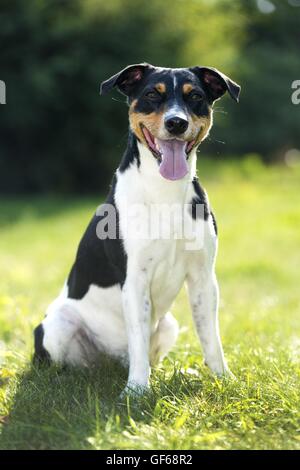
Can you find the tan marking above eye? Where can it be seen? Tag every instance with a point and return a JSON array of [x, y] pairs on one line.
[[187, 88], [160, 87]]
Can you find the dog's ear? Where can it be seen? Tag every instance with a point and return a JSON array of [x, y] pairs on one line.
[[125, 80], [216, 83]]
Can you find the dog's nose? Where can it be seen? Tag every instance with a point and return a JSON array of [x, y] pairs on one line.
[[176, 125]]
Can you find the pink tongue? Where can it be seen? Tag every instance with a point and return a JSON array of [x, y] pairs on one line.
[[174, 165]]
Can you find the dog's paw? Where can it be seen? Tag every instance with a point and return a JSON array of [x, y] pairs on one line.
[[134, 390], [227, 374], [221, 371]]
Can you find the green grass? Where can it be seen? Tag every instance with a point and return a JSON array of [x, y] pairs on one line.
[[258, 268]]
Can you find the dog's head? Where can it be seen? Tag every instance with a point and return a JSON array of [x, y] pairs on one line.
[[170, 110]]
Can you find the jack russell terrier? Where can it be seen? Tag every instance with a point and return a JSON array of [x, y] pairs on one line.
[[123, 281]]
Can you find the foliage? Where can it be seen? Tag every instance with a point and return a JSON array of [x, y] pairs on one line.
[[268, 121], [58, 135]]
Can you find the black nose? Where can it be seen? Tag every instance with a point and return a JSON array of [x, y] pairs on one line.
[[176, 125]]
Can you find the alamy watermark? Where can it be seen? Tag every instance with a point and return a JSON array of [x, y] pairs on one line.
[[2, 92], [296, 94], [153, 222]]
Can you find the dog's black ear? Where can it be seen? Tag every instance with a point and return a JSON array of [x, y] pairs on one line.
[[126, 79], [216, 83]]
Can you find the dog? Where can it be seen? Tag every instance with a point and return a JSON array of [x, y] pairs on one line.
[[117, 297]]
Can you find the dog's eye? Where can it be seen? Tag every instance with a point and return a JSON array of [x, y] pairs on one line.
[[195, 97], [152, 95]]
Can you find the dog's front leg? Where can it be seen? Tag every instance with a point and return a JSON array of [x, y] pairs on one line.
[[204, 299], [137, 313], [204, 296]]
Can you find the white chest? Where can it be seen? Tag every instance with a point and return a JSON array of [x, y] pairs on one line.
[[152, 221], [167, 274]]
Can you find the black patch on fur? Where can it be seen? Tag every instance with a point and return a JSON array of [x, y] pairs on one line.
[[102, 262], [200, 198], [131, 153], [99, 262], [40, 353], [214, 222]]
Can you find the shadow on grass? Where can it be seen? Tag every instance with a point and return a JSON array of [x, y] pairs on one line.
[[62, 407], [71, 408]]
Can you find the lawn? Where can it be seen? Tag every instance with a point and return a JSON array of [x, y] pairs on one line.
[[258, 216]]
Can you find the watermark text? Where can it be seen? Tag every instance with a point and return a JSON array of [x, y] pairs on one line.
[[2, 92]]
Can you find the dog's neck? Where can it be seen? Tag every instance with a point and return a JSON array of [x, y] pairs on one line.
[[146, 172]]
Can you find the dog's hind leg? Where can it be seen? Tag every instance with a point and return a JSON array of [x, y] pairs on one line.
[[61, 338], [163, 338]]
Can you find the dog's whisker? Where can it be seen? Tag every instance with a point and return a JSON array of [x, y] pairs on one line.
[[119, 101]]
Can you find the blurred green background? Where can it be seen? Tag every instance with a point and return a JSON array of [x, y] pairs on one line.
[[58, 135]]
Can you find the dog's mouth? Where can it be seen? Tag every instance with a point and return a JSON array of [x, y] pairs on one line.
[[172, 155]]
